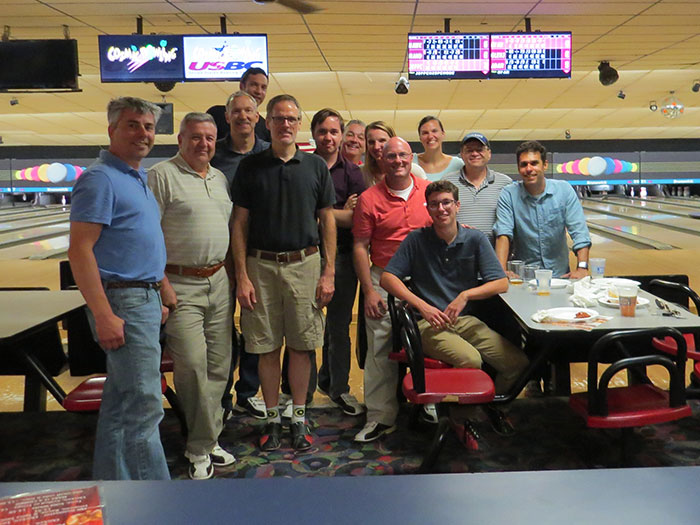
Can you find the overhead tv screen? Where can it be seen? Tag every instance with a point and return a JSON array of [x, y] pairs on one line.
[[670, 167], [448, 55], [141, 58], [39, 64], [223, 57], [590, 169], [531, 55]]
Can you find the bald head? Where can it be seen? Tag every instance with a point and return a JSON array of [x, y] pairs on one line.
[[396, 159]]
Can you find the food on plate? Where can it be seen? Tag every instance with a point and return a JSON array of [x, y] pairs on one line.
[[582, 315], [612, 293]]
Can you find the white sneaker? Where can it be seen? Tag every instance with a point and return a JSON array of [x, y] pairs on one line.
[[373, 430], [200, 466], [430, 414], [349, 404], [220, 457]]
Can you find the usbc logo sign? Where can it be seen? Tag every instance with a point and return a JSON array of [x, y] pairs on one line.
[[223, 57]]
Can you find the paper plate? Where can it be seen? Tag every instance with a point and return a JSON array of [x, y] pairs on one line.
[[556, 283], [615, 281], [568, 314], [615, 303]]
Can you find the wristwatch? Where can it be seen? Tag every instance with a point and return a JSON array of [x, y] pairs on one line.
[[583, 264]]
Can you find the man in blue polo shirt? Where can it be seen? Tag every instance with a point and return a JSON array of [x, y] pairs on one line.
[[117, 254], [444, 262]]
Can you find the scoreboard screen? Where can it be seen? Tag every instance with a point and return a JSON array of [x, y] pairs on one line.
[[448, 55], [531, 55]]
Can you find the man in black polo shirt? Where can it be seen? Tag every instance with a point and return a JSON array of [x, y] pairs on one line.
[[279, 194], [327, 131], [241, 141]]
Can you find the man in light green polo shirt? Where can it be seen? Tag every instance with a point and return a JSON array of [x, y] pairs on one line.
[[195, 209]]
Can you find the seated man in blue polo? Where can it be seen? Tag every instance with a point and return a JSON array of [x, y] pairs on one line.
[[444, 262]]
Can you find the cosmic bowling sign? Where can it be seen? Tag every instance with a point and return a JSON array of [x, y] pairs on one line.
[[177, 58]]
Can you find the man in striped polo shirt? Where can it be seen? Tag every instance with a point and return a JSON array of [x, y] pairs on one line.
[[478, 185], [195, 209]]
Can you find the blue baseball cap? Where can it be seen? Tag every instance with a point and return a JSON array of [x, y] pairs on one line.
[[476, 136]]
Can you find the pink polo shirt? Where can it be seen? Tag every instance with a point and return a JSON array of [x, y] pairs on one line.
[[386, 219]]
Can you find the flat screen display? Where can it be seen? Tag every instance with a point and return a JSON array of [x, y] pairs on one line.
[[46, 175], [531, 55], [590, 169], [164, 126], [448, 55], [39, 64], [223, 57], [141, 58], [670, 167]]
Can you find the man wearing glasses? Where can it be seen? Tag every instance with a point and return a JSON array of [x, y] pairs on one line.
[[444, 262], [385, 214], [480, 186], [279, 194]]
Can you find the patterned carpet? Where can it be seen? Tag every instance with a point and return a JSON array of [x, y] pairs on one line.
[[57, 446]]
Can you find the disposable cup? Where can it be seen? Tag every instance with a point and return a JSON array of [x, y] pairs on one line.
[[597, 266], [529, 271], [516, 268], [627, 296], [544, 281]]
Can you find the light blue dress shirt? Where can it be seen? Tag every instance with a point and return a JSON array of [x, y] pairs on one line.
[[537, 226]]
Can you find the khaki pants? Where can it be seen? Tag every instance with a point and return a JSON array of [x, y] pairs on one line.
[[468, 342], [199, 340], [381, 374]]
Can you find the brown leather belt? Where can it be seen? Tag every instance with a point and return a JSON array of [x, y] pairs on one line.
[[192, 271], [283, 257], [132, 284]]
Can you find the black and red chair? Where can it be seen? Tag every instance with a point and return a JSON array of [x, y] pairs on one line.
[[679, 294], [634, 405], [441, 386]]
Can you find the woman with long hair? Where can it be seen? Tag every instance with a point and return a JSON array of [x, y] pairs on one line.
[[434, 162], [377, 134]]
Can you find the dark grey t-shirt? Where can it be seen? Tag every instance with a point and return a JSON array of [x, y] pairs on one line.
[[282, 199]]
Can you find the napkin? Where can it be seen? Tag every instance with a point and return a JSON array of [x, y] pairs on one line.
[[584, 293]]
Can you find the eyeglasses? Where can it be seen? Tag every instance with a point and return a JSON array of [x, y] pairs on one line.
[[393, 156], [281, 120], [447, 204]]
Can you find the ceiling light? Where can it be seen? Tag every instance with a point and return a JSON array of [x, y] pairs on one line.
[[567, 134], [671, 107], [696, 86], [653, 106], [608, 75], [621, 95]]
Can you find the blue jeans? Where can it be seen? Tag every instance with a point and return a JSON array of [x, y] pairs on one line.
[[335, 368], [128, 443]]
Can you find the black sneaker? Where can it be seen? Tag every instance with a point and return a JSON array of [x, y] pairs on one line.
[[301, 437], [500, 423], [253, 406], [373, 430], [349, 404], [271, 437]]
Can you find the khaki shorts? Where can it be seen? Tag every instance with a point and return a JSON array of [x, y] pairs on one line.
[[286, 309]]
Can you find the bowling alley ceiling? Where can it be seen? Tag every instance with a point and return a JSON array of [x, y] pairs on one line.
[[349, 54]]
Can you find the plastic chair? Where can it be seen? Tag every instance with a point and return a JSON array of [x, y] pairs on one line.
[[679, 294], [422, 385], [637, 404]]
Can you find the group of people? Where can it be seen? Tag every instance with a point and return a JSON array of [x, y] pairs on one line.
[[250, 218]]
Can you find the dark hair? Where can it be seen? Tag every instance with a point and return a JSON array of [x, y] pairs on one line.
[[427, 119], [531, 146], [281, 98], [441, 186], [253, 71], [323, 114]]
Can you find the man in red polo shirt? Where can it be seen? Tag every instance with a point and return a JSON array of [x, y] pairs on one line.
[[385, 214]]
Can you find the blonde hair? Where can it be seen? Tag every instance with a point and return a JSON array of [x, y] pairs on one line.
[[370, 169]]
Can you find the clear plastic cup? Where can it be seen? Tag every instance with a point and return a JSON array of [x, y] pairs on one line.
[[597, 267], [515, 267], [627, 296], [544, 281], [529, 271]]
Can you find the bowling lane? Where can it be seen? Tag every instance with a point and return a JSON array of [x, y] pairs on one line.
[[34, 214], [634, 215], [645, 230], [54, 247], [648, 204], [33, 234], [6, 227], [21, 208]]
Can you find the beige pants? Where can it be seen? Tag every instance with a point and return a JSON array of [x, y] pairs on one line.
[[199, 340], [468, 342]]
